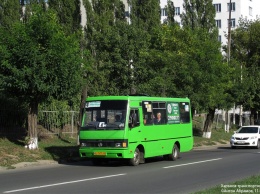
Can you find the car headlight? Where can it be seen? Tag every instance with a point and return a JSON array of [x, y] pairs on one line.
[[232, 138], [254, 137]]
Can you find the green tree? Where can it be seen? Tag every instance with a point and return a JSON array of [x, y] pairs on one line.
[[68, 12], [106, 37], [215, 78], [10, 12], [27, 8], [245, 56], [145, 14], [170, 10], [39, 60], [145, 24], [198, 14], [199, 17]]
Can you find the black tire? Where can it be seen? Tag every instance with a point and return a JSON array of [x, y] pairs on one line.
[[135, 161], [175, 153], [233, 147]]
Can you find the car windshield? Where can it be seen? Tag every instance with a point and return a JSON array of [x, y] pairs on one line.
[[105, 115], [248, 130]]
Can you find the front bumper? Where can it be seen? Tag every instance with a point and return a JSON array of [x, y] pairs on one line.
[[104, 153], [242, 143]]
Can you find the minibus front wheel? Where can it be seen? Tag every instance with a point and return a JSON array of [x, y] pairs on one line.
[[136, 159]]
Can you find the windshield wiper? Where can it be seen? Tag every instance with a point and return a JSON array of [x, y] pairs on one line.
[[118, 126], [91, 125]]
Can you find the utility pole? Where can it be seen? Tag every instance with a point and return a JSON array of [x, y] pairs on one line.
[[229, 32], [228, 61]]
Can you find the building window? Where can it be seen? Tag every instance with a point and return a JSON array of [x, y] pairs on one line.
[[233, 6], [218, 23], [177, 11], [217, 7], [232, 23], [250, 11], [219, 38], [163, 12]]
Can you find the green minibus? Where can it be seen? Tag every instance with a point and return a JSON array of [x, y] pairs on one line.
[[135, 128]]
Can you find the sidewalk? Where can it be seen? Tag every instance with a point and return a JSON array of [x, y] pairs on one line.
[[205, 147]]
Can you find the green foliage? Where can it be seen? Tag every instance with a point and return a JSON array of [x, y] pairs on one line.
[[9, 12], [13, 112], [188, 63], [170, 9], [37, 59], [145, 14], [115, 47], [57, 109], [246, 59], [68, 12], [198, 14]]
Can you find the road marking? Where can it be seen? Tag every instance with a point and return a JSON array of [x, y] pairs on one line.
[[193, 163], [63, 183]]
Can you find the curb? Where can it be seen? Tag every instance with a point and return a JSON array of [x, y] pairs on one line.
[[211, 146]]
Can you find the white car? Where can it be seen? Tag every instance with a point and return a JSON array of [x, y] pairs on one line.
[[246, 136]]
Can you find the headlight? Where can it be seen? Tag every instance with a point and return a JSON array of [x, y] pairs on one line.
[[118, 145], [121, 145], [254, 137], [232, 138]]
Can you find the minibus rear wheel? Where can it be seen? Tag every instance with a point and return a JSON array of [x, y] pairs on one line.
[[175, 153]]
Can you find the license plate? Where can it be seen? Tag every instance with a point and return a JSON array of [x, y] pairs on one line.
[[100, 153], [241, 142]]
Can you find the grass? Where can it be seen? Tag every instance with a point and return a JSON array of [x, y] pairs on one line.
[[248, 185], [12, 150], [217, 137]]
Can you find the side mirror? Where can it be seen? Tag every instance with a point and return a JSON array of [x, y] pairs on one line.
[[130, 120]]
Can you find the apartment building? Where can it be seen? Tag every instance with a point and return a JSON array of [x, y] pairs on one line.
[[248, 9]]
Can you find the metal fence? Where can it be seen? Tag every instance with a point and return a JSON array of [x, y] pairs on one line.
[[49, 122], [58, 122]]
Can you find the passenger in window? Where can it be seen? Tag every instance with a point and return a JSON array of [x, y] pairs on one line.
[[134, 118], [145, 120], [117, 118], [158, 119], [149, 119]]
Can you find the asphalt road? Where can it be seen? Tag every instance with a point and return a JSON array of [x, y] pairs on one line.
[[194, 171]]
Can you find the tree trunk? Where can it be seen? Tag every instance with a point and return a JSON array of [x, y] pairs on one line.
[[82, 106], [252, 116], [32, 125], [208, 123]]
